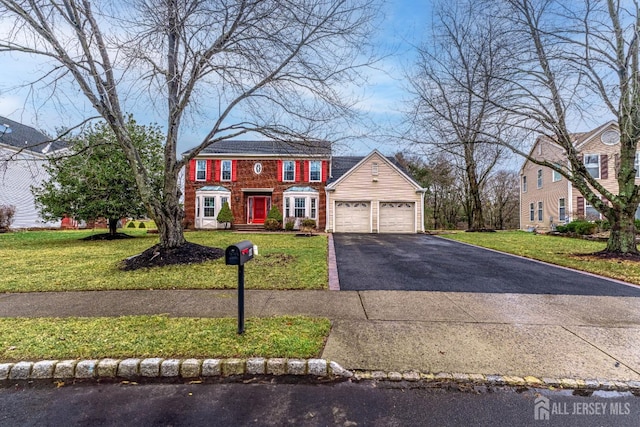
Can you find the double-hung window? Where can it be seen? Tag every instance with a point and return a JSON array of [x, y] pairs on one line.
[[315, 171], [201, 170], [532, 212], [539, 178], [225, 170], [562, 210], [590, 213], [592, 163], [539, 211], [636, 164], [555, 175], [299, 210], [210, 207], [524, 184], [289, 170]]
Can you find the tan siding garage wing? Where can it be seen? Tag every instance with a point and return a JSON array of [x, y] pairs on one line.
[[397, 217], [353, 217]]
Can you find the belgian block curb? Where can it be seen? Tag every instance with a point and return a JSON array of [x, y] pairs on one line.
[[157, 367], [191, 369]]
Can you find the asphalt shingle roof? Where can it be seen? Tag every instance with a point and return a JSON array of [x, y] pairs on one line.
[[27, 138], [271, 147]]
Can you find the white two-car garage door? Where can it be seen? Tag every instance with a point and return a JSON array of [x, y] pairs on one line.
[[353, 217], [397, 217]]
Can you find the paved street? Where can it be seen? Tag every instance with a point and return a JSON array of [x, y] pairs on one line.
[[341, 404], [430, 263]]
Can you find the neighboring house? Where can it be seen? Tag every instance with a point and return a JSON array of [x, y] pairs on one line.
[[303, 181], [373, 195], [548, 199], [23, 152]]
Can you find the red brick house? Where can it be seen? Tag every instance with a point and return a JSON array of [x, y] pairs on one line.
[[253, 176]]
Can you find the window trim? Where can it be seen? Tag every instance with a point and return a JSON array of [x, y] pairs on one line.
[[205, 207], [292, 171], [588, 205], [562, 209], [219, 196], [540, 211], [203, 170], [222, 170], [539, 178], [584, 162], [299, 205], [532, 211], [319, 171], [310, 199]]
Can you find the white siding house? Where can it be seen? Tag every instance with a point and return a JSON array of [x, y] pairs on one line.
[[23, 153]]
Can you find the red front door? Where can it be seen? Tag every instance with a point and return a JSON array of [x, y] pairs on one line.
[[259, 209]]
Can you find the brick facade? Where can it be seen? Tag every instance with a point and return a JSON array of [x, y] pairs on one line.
[[246, 183]]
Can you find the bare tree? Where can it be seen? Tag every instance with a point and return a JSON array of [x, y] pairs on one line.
[[456, 74], [279, 68], [573, 60], [502, 198], [442, 203]]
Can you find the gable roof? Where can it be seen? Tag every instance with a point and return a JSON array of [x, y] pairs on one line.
[[24, 137], [341, 167], [579, 139], [269, 148]]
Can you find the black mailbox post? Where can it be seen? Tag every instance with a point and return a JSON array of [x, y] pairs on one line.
[[238, 254]]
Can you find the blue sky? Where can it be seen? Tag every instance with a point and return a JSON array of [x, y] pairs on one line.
[[404, 24]]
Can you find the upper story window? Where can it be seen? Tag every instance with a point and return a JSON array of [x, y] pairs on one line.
[[374, 169], [555, 175], [524, 184], [592, 163], [225, 170], [315, 171], [636, 164], [201, 170], [539, 178], [289, 170]]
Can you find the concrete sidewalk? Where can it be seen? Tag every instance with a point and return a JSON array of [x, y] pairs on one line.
[[546, 336]]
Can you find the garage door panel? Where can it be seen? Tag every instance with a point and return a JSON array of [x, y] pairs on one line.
[[353, 217], [397, 217]]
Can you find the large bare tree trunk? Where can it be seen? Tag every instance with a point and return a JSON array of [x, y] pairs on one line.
[[622, 239]]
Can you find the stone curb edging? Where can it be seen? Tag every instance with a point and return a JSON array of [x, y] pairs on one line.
[[499, 380], [157, 367]]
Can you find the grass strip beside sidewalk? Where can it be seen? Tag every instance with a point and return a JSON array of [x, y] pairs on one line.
[[160, 336]]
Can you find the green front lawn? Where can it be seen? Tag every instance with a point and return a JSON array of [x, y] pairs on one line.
[[160, 336], [59, 261], [562, 251]]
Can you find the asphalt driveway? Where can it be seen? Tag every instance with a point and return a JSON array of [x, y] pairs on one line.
[[429, 263]]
